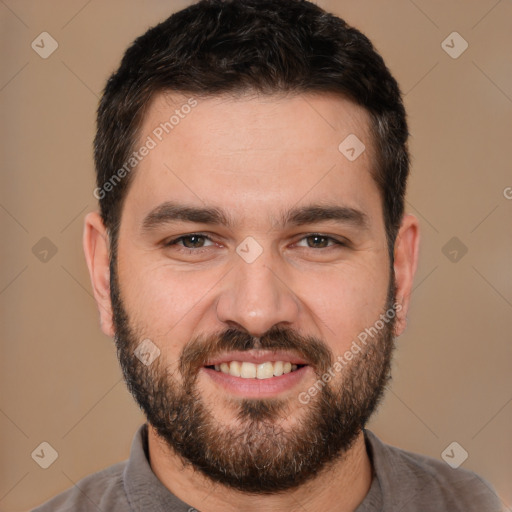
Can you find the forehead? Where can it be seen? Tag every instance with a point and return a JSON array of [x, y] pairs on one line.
[[255, 155], [256, 123]]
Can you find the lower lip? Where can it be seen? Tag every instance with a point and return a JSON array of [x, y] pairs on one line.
[[257, 388]]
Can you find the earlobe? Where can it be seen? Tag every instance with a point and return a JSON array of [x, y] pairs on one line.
[[96, 249], [405, 265]]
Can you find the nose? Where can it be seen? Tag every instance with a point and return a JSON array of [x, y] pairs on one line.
[[256, 296]]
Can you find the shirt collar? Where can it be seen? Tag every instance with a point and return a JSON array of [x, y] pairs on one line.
[[392, 473], [144, 490]]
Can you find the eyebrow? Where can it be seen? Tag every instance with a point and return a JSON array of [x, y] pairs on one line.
[[171, 212]]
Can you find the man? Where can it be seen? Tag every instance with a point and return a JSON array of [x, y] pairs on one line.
[[254, 264]]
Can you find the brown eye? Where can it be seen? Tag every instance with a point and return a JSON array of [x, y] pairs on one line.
[[195, 241], [318, 241], [192, 241]]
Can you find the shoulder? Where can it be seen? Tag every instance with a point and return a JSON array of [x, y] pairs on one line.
[[102, 490], [413, 480]]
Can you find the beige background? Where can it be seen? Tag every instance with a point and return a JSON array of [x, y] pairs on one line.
[[59, 376]]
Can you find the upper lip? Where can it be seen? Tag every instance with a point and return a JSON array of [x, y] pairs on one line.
[[257, 357]]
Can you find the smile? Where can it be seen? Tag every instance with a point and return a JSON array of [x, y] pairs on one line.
[[247, 370]]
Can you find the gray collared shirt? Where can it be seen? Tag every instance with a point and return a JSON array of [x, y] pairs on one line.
[[402, 482]]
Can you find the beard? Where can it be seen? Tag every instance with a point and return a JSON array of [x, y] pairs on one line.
[[256, 454]]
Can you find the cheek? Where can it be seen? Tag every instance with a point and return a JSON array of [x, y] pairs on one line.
[[344, 301], [165, 301]]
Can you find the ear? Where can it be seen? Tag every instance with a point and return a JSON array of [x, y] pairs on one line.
[[405, 264], [96, 248]]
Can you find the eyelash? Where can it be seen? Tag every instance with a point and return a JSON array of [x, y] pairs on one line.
[[202, 235]]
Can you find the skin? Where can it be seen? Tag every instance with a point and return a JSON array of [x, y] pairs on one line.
[[255, 157]]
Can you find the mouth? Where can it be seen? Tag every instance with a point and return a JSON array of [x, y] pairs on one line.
[[258, 373], [248, 370]]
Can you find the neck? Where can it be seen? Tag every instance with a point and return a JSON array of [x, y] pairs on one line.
[[341, 488]]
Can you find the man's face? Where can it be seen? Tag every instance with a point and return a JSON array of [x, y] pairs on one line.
[[256, 286]]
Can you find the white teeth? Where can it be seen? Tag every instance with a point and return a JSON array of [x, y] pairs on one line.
[[235, 368], [264, 370], [278, 368], [248, 370]]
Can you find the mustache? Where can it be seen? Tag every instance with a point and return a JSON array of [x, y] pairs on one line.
[[197, 352]]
